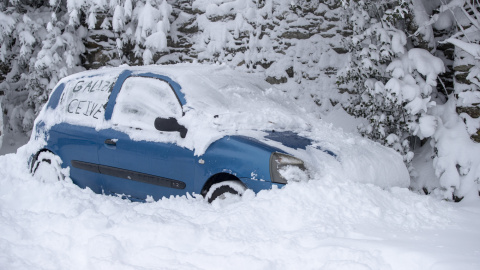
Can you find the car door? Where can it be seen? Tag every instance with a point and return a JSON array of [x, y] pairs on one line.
[[136, 159], [80, 107]]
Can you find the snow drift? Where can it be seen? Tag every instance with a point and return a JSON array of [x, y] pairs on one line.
[[323, 224]]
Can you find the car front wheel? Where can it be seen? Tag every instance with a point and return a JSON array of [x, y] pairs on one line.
[[222, 189], [47, 167]]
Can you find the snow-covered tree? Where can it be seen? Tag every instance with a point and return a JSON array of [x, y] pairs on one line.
[[394, 85], [135, 29], [456, 141], [391, 82], [44, 41], [41, 50], [294, 44]]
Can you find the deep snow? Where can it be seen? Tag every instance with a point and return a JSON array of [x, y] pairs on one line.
[[329, 222], [321, 224]]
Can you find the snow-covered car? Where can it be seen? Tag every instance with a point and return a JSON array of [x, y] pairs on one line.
[[200, 129]]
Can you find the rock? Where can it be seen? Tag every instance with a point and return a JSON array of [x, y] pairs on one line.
[[290, 72], [340, 50], [228, 17], [328, 35], [463, 68], [273, 80], [189, 27], [296, 35], [332, 19], [473, 112], [345, 32], [325, 29], [461, 77], [476, 137]]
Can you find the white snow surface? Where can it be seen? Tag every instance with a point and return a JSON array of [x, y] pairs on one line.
[[222, 102], [325, 223]]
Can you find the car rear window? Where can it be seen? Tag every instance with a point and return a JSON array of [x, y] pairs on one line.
[[84, 99]]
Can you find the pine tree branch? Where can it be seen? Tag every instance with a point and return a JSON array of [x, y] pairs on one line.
[[470, 48], [475, 11], [450, 6], [474, 22]]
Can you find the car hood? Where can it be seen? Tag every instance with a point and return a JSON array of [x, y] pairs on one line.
[[358, 160], [293, 140]]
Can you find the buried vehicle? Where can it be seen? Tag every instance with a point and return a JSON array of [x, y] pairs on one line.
[[201, 129]]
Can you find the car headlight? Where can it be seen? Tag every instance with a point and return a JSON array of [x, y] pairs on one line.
[[280, 162]]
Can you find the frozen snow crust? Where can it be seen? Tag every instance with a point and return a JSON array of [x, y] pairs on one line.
[[322, 224], [222, 102]]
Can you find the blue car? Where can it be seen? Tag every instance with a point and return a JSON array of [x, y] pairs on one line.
[[158, 131]]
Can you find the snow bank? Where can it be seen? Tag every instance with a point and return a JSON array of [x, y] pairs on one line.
[[320, 224]]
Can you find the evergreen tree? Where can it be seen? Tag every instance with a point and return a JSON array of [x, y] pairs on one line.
[[44, 41], [391, 85], [456, 160]]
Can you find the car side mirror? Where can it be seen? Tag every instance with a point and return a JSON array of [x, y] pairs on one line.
[[170, 124]]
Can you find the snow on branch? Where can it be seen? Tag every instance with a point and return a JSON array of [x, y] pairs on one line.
[[461, 5], [471, 48], [6, 23]]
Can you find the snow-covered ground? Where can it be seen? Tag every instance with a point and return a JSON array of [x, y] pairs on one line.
[[321, 224], [328, 222]]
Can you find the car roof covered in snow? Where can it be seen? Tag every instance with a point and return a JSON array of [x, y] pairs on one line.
[[205, 86]]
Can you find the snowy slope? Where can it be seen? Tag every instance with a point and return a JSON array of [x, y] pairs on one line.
[[320, 224]]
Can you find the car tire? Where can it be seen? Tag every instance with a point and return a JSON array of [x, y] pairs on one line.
[[47, 167], [219, 190]]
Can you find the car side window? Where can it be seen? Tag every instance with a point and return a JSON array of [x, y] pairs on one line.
[[141, 100]]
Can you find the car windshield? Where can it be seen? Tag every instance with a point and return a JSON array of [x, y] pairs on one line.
[[237, 101]]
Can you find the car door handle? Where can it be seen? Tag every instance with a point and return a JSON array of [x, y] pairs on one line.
[[111, 142]]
